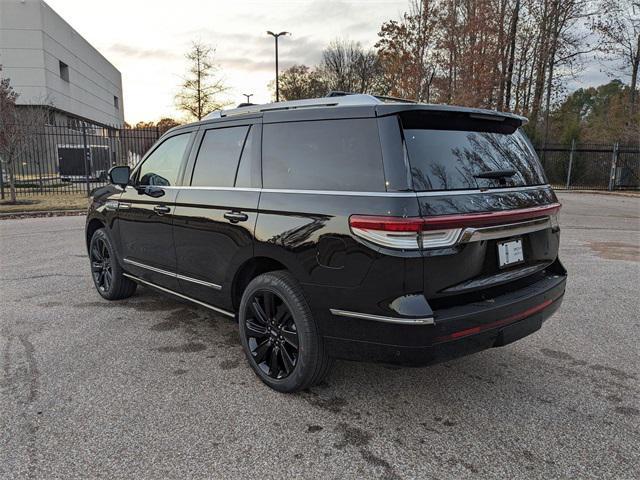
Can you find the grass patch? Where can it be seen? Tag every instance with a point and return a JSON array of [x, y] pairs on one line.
[[35, 203]]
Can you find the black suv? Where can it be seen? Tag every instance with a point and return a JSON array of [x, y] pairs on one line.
[[341, 227]]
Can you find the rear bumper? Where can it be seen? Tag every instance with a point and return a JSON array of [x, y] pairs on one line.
[[457, 331]]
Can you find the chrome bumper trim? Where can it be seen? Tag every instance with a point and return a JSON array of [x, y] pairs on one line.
[[380, 318], [173, 274], [471, 234], [163, 289]]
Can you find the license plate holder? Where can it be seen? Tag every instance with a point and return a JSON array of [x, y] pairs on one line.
[[510, 252]]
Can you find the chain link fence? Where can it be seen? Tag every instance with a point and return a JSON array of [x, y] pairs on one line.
[[54, 159]]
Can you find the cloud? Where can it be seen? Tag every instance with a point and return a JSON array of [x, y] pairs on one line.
[[129, 51]]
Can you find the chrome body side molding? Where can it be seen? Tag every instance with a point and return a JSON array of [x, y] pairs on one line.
[[215, 286], [193, 300], [381, 318]]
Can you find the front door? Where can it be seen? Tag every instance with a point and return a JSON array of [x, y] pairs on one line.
[[146, 212]]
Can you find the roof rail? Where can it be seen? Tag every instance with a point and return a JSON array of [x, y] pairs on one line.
[[383, 98], [346, 100]]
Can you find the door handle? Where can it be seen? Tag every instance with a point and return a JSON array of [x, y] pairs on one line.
[[235, 217], [161, 209]]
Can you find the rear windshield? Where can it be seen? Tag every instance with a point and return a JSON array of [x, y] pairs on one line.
[[446, 158]]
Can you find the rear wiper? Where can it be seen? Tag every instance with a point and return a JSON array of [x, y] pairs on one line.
[[496, 174]]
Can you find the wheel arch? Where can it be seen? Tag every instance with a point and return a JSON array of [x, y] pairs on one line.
[[248, 271], [93, 225]]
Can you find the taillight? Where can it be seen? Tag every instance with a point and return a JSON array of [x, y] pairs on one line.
[[392, 232], [412, 233]]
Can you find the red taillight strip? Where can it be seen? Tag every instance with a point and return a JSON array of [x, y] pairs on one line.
[[387, 224], [443, 222], [488, 218], [498, 323]]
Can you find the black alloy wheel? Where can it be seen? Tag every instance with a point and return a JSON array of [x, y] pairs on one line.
[[101, 266], [271, 334]]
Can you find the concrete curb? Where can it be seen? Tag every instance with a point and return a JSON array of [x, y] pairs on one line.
[[41, 213]]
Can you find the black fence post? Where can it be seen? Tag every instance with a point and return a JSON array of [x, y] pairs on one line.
[[1, 183], [87, 153], [614, 162], [573, 149]]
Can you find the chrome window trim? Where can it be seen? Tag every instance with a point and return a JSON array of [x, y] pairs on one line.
[[173, 274], [438, 193], [206, 305], [381, 318]]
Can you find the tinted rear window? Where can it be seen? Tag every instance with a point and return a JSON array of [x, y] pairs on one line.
[[453, 159], [217, 161], [323, 155]]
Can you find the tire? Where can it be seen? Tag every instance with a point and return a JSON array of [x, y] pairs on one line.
[[259, 340], [106, 272]]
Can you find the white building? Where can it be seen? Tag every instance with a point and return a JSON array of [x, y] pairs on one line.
[[48, 62]]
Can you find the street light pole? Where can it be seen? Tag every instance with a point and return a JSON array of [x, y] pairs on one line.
[[275, 36], [248, 95]]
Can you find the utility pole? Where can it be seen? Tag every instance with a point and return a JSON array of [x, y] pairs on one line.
[[248, 95], [276, 36]]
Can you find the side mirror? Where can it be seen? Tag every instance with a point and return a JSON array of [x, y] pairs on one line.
[[120, 175]]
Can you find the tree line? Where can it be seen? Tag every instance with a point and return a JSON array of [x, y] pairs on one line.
[[509, 55]]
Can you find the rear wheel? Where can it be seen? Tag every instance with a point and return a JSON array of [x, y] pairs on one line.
[[279, 335], [106, 272]]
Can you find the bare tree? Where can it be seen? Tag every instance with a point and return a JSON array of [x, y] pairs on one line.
[[619, 26], [19, 130], [299, 82], [346, 66], [201, 88]]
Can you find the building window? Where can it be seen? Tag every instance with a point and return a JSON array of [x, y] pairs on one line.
[[64, 71], [116, 102]]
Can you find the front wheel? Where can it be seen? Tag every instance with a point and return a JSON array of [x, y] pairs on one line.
[[106, 272], [279, 335]]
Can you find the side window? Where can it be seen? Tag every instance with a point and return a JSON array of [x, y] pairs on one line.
[[163, 165], [323, 155], [217, 160]]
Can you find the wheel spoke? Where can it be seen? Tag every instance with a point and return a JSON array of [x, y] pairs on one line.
[[261, 316], [101, 278], [291, 337], [107, 279], [282, 313], [96, 266], [274, 368], [105, 250], [254, 329], [287, 361], [261, 351], [95, 253]]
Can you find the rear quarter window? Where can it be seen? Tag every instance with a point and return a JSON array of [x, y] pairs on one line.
[[340, 155]]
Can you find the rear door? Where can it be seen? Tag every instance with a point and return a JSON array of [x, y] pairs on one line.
[[146, 211], [489, 213], [216, 210]]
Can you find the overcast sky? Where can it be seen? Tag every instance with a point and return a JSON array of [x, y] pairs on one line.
[[146, 41]]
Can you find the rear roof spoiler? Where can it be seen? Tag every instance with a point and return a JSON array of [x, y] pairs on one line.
[[477, 113]]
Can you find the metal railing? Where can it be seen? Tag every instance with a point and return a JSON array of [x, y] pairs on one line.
[[55, 159], [591, 166]]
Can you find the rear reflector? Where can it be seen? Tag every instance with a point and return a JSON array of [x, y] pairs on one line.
[[498, 323], [436, 232]]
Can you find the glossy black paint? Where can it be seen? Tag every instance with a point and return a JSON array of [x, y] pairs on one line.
[[220, 236]]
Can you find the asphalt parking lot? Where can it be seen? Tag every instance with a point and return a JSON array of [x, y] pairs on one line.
[[152, 387]]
